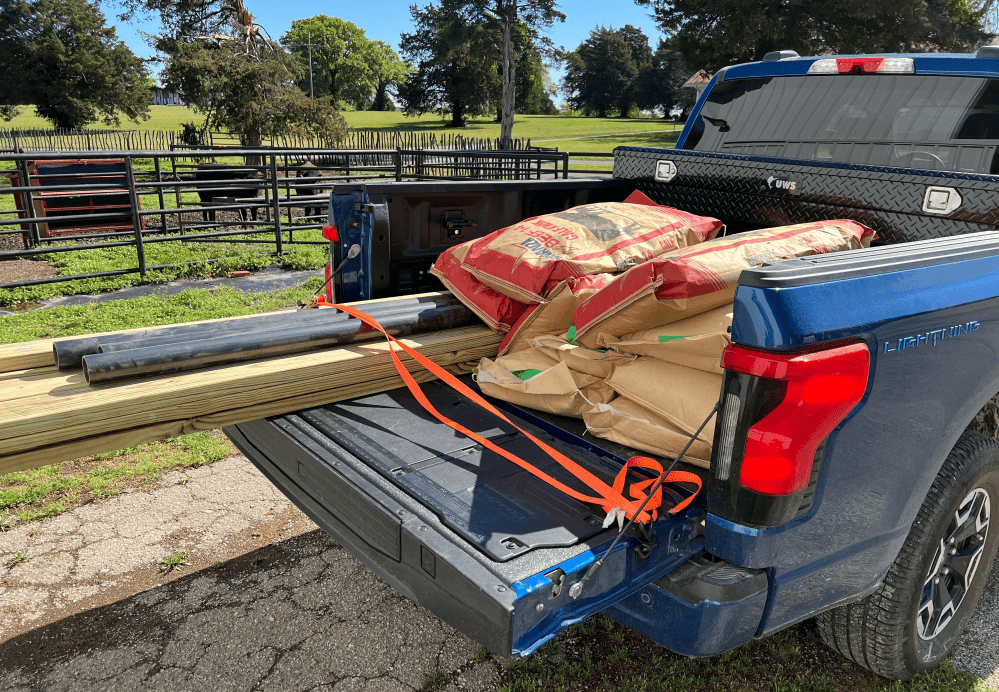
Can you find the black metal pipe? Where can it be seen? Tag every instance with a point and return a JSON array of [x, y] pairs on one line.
[[161, 360], [69, 353], [296, 319]]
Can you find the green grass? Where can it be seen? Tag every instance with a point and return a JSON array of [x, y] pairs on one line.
[[51, 490], [173, 562], [17, 558], [161, 118], [599, 654], [147, 311], [568, 133], [194, 260]]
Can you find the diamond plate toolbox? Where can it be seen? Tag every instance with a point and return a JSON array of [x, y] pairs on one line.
[[900, 205]]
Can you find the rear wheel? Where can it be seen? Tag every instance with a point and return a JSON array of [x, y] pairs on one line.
[[913, 620]]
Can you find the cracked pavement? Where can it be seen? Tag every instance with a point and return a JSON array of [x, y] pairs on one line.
[[268, 602]]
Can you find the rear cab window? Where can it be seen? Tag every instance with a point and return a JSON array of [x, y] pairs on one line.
[[900, 120]]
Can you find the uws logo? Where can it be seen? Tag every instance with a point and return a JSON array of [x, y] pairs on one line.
[[781, 184]]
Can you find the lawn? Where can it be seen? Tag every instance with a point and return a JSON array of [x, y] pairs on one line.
[[161, 118], [568, 133]]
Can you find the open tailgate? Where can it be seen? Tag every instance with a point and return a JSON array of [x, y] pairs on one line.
[[473, 538]]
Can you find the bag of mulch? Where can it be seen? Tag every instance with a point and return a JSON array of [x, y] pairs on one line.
[[683, 396], [599, 363], [696, 279], [627, 423], [696, 342], [554, 316], [499, 312], [527, 260], [535, 380]]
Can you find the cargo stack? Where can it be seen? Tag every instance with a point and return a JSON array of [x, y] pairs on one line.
[[613, 320]]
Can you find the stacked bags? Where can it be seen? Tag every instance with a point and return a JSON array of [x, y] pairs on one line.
[[512, 276], [626, 328]]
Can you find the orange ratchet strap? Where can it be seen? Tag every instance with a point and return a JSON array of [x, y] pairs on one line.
[[611, 499]]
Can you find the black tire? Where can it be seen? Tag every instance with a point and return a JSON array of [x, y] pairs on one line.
[[912, 621]]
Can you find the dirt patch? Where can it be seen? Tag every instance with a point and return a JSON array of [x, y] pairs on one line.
[[12, 271], [11, 241]]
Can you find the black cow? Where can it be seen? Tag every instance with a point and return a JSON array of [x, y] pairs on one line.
[[312, 186], [227, 178]]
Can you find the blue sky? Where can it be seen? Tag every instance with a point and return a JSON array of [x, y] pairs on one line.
[[385, 20]]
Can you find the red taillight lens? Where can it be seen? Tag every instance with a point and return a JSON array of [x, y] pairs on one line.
[[331, 233], [822, 388], [868, 65]]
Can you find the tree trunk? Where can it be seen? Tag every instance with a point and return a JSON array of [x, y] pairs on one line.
[[509, 86]]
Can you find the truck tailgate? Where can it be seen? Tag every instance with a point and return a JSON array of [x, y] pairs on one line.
[[454, 527]]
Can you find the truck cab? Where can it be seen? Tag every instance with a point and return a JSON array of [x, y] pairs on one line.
[[844, 481]]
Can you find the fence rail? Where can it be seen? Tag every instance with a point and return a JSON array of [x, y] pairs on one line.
[[134, 198], [165, 140]]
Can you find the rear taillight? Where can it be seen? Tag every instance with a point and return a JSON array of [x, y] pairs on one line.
[[331, 233], [777, 411]]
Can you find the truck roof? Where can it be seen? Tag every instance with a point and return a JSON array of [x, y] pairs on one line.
[[985, 63]]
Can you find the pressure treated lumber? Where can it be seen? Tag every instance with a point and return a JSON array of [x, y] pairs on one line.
[[52, 416], [38, 353]]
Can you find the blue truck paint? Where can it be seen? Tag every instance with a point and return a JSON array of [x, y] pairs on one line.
[[706, 628], [620, 577], [354, 227], [929, 330]]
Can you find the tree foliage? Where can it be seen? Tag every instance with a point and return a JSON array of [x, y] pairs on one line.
[[389, 71], [659, 85], [454, 75], [59, 56], [601, 73], [228, 69], [710, 34], [509, 27], [347, 66]]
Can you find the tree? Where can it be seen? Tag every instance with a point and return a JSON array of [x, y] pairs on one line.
[[501, 20], [69, 64], [341, 55], [710, 34], [389, 71], [534, 86], [225, 65], [453, 74], [600, 73], [660, 84]]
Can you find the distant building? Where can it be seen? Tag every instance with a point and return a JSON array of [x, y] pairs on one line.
[[164, 97], [698, 81]]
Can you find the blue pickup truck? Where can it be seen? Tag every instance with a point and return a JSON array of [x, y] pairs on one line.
[[858, 374]]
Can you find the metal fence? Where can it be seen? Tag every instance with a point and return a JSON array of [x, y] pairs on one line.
[[134, 198]]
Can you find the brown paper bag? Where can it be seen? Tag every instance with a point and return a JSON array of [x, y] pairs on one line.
[[627, 423], [534, 380], [553, 316], [702, 277], [683, 396], [599, 363], [696, 342]]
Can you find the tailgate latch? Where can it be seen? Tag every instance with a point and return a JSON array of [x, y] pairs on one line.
[[557, 578]]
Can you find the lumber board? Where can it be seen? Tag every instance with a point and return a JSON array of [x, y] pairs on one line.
[[77, 449], [51, 416], [38, 354]]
